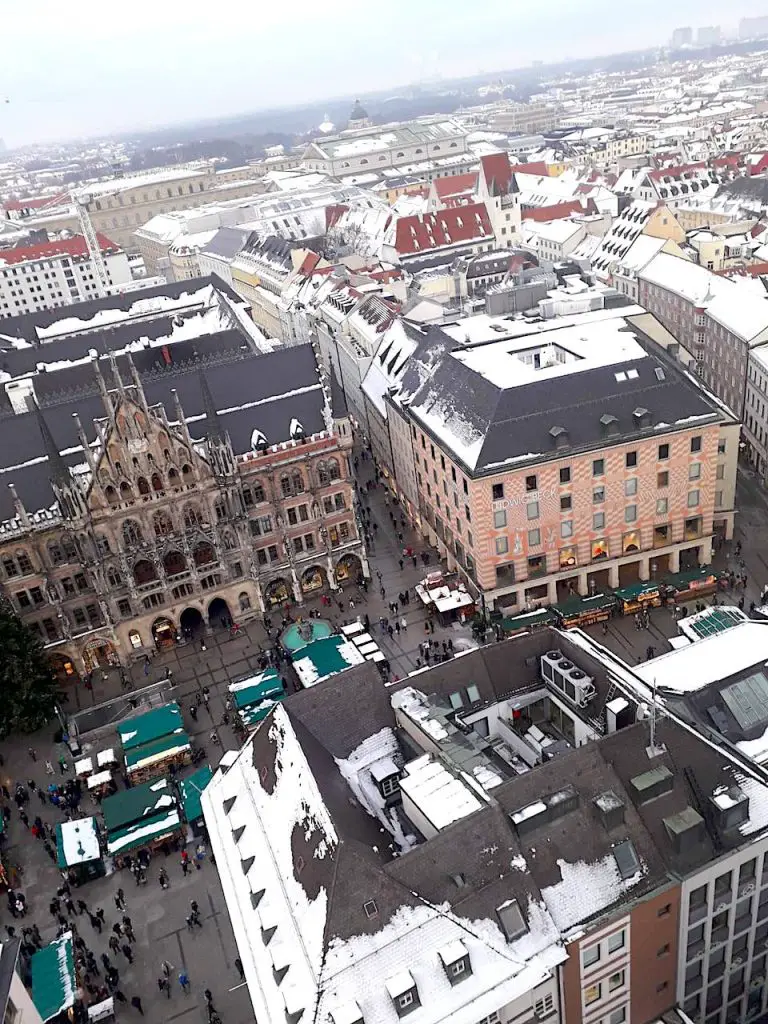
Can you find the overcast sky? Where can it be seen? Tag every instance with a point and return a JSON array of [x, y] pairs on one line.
[[79, 68]]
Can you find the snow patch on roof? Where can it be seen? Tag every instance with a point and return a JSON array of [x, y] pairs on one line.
[[586, 889]]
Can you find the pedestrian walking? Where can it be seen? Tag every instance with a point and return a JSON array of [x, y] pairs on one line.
[[136, 1004], [404, 624], [239, 967], [32, 753], [127, 952], [166, 967], [209, 1000], [120, 900], [163, 878], [117, 928], [114, 945], [184, 982], [164, 986], [95, 922], [100, 915], [81, 907]]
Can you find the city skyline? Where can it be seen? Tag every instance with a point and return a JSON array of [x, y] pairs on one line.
[[186, 69]]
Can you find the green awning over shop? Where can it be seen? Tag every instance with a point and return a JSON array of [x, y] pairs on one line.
[[527, 620], [150, 726], [257, 688], [578, 605], [142, 832], [191, 791], [137, 803], [682, 580], [157, 750], [53, 978], [632, 592]]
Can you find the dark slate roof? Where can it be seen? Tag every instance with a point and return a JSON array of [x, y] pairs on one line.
[[247, 379], [338, 398], [227, 242], [754, 187], [345, 710], [518, 420], [26, 325]]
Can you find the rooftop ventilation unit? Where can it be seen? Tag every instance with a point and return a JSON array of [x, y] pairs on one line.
[[549, 662], [583, 685]]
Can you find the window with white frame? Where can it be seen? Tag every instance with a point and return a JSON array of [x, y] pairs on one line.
[[591, 955], [616, 941]]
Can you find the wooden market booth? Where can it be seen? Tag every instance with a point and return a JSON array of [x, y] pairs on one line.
[[54, 979], [528, 621], [154, 743], [143, 816], [446, 595], [584, 611], [637, 596], [691, 585]]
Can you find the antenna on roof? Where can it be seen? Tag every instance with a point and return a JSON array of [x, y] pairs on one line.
[[653, 750]]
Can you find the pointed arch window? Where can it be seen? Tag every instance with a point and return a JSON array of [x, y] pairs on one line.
[[192, 517], [132, 533], [162, 524], [157, 483], [143, 485]]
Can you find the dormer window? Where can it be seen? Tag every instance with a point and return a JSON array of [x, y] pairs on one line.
[[347, 1013], [403, 993], [455, 960], [386, 775]]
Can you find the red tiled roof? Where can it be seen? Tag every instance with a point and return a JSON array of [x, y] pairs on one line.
[[455, 185], [36, 203], [497, 168], [676, 171], [750, 270], [74, 247], [537, 167], [558, 211], [309, 263], [446, 227]]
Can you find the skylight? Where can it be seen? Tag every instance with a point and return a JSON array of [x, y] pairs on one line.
[[626, 859], [511, 920]]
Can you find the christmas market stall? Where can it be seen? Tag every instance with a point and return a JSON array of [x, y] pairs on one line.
[[637, 596], [583, 611], [255, 696], [691, 585], [54, 982], [154, 743], [190, 790], [143, 816], [446, 596], [78, 852], [527, 621]]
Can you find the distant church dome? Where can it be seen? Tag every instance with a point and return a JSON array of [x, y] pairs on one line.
[[359, 114], [326, 126]]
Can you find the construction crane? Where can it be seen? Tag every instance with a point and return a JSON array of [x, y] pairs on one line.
[[91, 242]]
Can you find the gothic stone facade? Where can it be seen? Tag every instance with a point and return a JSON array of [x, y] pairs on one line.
[[163, 535]]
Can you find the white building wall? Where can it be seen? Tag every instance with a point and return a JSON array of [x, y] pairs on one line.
[[56, 281]]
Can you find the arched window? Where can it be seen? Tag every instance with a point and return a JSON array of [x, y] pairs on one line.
[[186, 473], [162, 523], [141, 425], [204, 553], [166, 454], [102, 544], [111, 495], [297, 481], [229, 541], [55, 554], [144, 572], [118, 468], [220, 509], [285, 485], [244, 602], [333, 469], [131, 533], [323, 475], [114, 579], [143, 486], [135, 463], [125, 491], [174, 562], [258, 493], [157, 483], [173, 477], [192, 517]]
